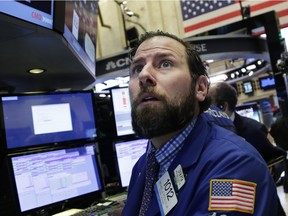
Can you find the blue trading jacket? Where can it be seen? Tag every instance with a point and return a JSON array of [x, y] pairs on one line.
[[218, 117], [209, 152]]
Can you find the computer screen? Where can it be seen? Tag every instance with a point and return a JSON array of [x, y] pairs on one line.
[[52, 176], [248, 88], [37, 12], [127, 154], [250, 110], [122, 111], [80, 30], [267, 82], [48, 118]]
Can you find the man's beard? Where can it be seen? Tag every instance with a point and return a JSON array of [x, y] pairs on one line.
[[153, 120]]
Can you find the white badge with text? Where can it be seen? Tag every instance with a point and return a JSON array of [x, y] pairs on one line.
[[166, 194], [179, 178]]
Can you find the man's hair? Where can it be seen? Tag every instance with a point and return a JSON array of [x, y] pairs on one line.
[[195, 64], [224, 92]]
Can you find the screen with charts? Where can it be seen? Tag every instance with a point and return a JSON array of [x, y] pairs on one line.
[[122, 111], [40, 13], [127, 154], [52, 176], [48, 118]]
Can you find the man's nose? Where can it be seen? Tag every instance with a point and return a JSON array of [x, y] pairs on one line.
[[147, 76]]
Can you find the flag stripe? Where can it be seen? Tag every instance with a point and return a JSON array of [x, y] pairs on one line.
[[283, 13], [223, 199], [264, 5], [212, 21]]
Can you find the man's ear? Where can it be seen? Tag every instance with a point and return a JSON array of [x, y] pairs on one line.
[[225, 107], [201, 88]]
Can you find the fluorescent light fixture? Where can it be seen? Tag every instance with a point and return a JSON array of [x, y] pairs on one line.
[[251, 67], [99, 87], [218, 78], [36, 70], [123, 84]]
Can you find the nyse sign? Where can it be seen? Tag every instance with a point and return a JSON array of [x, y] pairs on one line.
[[201, 48]]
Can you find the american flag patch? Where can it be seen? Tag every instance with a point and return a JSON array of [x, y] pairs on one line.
[[232, 195]]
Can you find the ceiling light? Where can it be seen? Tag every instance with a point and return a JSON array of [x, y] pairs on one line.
[[36, 70], [251, 67], [218, 78], [259, 62]]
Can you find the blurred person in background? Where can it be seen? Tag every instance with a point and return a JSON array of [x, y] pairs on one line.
[[279, 132]]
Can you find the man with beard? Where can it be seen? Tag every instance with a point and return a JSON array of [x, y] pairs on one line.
[[203, 169]]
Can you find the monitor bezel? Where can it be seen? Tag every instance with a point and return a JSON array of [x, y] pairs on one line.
[[9, 150], [82, 201]]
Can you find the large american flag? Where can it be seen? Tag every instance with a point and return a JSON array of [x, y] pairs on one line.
[[233, 195], [203, 15]]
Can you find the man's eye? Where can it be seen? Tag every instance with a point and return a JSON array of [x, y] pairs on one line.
[[165, 64], [137, 69]]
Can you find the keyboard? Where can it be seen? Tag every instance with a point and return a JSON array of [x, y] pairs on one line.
[[118, 197], [101, 209]]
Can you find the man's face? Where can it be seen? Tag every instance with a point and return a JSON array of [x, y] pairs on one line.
[[160, 88]]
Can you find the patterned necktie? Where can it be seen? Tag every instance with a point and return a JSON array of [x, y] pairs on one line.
[[150, 179]]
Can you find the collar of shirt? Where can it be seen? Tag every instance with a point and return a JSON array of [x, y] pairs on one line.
[[168, 152]]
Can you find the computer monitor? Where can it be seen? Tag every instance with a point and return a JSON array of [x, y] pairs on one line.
[[127, 154], [37, 12], [37, 119], [122, 111], [79, 27], [267, 82], [250, 110], [248, 88], [41, 180]]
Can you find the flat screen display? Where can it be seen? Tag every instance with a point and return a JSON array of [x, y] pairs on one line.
[[52, 176], [122, 111], [37, 12], [80, 30], [248, 88], [48, 118], [127, 154], [250, 110], [267, 83]]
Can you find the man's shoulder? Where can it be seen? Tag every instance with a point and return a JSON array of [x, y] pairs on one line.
[[249, 123]]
